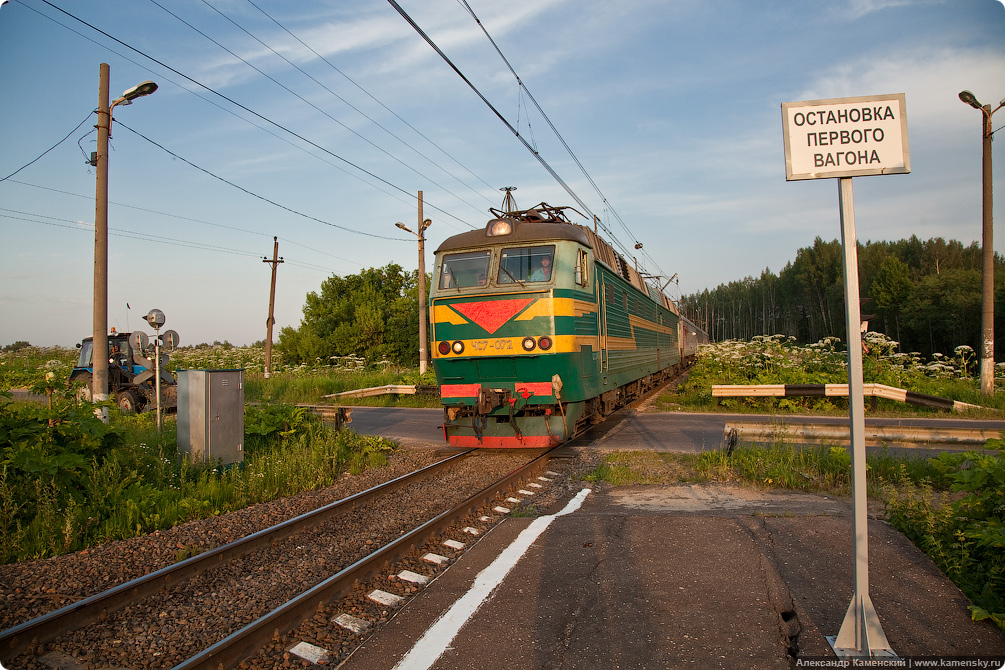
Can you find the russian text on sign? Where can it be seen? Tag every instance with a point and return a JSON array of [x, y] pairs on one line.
[[868, 136]]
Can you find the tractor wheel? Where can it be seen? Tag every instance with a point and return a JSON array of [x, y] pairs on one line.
[[128, 402], [84, 392]]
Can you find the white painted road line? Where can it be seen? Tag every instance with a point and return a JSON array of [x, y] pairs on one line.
[[439, 636]]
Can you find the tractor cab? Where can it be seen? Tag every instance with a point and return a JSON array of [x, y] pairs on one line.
[[122, 364]]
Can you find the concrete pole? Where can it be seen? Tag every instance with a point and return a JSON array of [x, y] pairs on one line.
[[99, 354], [276, 260], [988, 265], [423, 326]]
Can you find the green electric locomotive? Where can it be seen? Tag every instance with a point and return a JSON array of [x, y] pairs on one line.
[[539, 328]]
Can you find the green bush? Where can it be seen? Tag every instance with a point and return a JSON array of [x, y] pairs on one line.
[[964, 534]]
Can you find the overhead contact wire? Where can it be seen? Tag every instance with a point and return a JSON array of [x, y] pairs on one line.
[[495, 111], [523, 87]]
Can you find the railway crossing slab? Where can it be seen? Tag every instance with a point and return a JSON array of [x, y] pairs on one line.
[[688, 576]]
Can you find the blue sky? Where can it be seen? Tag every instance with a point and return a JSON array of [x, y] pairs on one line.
[[672, 107]]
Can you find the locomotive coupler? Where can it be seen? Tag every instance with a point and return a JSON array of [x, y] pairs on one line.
[[489, 399]]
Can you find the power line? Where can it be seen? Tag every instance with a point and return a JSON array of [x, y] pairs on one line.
[[83, 226], [147, 237], [371, 96], [294, 93], [160, 75], [247, 109], [353, 107], [50, 148], [187, 218], [256, 195]]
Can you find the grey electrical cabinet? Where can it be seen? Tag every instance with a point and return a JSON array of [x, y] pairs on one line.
[[211, 415]]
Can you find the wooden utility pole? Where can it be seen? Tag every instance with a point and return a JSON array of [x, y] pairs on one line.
[[276, 260]]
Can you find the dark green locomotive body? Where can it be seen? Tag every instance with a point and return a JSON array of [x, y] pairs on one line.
[[539, 328]]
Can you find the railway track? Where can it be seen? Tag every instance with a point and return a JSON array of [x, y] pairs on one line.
[[221, 607]]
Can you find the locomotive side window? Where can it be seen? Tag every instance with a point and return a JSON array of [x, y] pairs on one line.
[[582, 269], [522, 264], [465, 270]]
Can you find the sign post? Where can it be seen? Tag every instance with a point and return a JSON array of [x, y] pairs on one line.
[[844, 138]]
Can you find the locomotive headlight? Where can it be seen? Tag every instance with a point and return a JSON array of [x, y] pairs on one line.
[[458, 347], [528, 344], [545, 343], [497, 227], [444, 348]]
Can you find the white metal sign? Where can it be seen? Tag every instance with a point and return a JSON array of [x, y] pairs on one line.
[[846, 137]]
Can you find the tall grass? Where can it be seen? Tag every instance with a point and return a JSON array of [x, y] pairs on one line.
[[67, 481], [780, 360], [311, 387]]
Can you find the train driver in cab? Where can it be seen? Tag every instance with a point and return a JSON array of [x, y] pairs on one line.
[[543, 271]]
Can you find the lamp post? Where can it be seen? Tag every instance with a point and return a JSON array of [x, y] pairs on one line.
[[99, 355], [988, 252], [422, 284]]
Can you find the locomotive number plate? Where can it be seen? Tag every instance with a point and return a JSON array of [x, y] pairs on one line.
[[496, 345]]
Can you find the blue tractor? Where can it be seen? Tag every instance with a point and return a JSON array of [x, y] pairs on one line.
[[131, 376]]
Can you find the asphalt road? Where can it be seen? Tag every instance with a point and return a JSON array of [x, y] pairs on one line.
[[703, 576], [630, 429]]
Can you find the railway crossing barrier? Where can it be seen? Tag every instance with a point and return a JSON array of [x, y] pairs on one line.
[[838, 390]]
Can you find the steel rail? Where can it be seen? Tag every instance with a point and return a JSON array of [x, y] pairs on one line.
[[16, 640], [241, 644]]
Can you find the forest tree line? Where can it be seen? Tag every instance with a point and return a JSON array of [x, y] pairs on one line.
[[924, 294]]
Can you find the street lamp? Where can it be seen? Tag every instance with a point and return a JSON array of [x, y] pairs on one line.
[[988, 252], [99, 357], [422, 288]]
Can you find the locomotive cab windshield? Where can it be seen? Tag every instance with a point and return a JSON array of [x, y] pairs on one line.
[[465, 270], [526, 264]]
